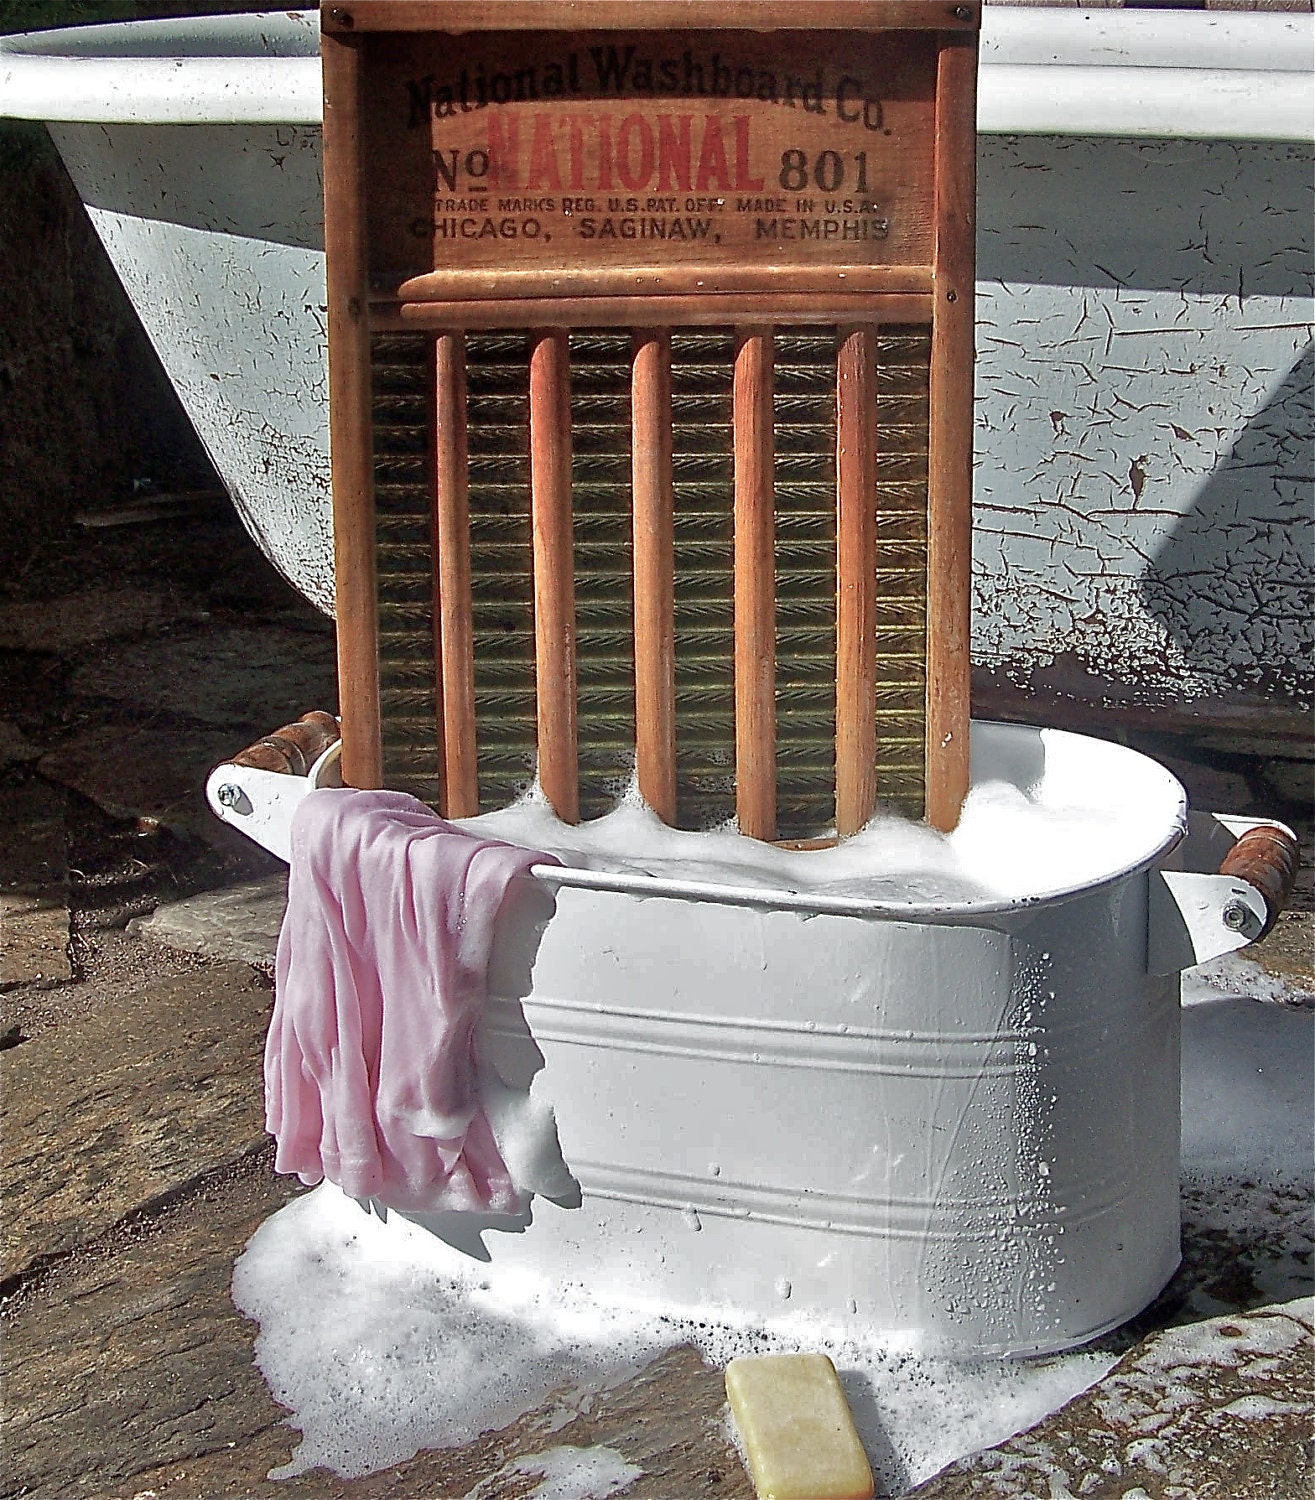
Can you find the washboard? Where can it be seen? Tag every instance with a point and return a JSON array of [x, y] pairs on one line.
[[650, 355]]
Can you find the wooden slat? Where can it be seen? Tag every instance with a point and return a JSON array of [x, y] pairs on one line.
[[477, 283], [452, 572], [695, 311], [654, 551], [950, 438], [856, 584], [584, 15], [351, 442], [438, 794], [755, 588], [554, 570]]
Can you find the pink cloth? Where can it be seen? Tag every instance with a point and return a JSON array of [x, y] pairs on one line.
[[370, 1063]]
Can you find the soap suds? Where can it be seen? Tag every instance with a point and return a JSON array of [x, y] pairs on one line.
[[382, 1341], [1238, 976], [1010, 844], [565, 1473], [1248, 1079]]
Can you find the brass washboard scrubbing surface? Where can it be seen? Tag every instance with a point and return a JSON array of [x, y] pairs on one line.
[[650, 394]]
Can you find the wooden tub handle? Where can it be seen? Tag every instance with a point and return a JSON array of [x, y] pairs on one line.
[[1266, 857], [294, 748]]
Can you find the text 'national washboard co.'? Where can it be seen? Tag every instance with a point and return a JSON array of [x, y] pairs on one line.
[[622, 72]]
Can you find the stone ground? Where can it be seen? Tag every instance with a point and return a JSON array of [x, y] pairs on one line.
[[134, 1165]]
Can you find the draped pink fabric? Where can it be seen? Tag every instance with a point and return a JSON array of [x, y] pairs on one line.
[[370, 1063]]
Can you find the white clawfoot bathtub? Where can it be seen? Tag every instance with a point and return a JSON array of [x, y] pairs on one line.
[[1144, 315]]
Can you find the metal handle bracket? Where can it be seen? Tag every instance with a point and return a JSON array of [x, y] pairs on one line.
[[1222, 888]]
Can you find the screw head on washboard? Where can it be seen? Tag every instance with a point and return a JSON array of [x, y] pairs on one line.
[[650, 355]]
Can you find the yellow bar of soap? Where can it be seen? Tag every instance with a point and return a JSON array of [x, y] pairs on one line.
[[794, 1423]]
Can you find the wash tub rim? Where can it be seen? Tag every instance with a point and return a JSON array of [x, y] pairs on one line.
[[1226, 892], [1171, 819], [782, 898], [1174, 75], [961, 912]]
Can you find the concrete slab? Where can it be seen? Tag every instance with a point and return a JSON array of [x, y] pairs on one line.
[[216, 675], [33, 842], [34, 935], [83, 617], [1222, 1407], [1293, 780], [239, 922], [149, 771], [132, 1356], [105, 1118], [130, 1373], [15, 747], [34, 916]]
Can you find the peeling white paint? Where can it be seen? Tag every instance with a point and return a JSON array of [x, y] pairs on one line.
[[1144, 441]]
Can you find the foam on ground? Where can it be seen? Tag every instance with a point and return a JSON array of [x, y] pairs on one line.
[[1248, 1077], [564, 1473], [1248, 1129], [1236, 976], [383, 1341]]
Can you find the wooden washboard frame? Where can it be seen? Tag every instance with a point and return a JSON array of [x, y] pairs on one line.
[[661, 168]]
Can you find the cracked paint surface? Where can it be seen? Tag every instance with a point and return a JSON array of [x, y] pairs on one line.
[[1144, 410]]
